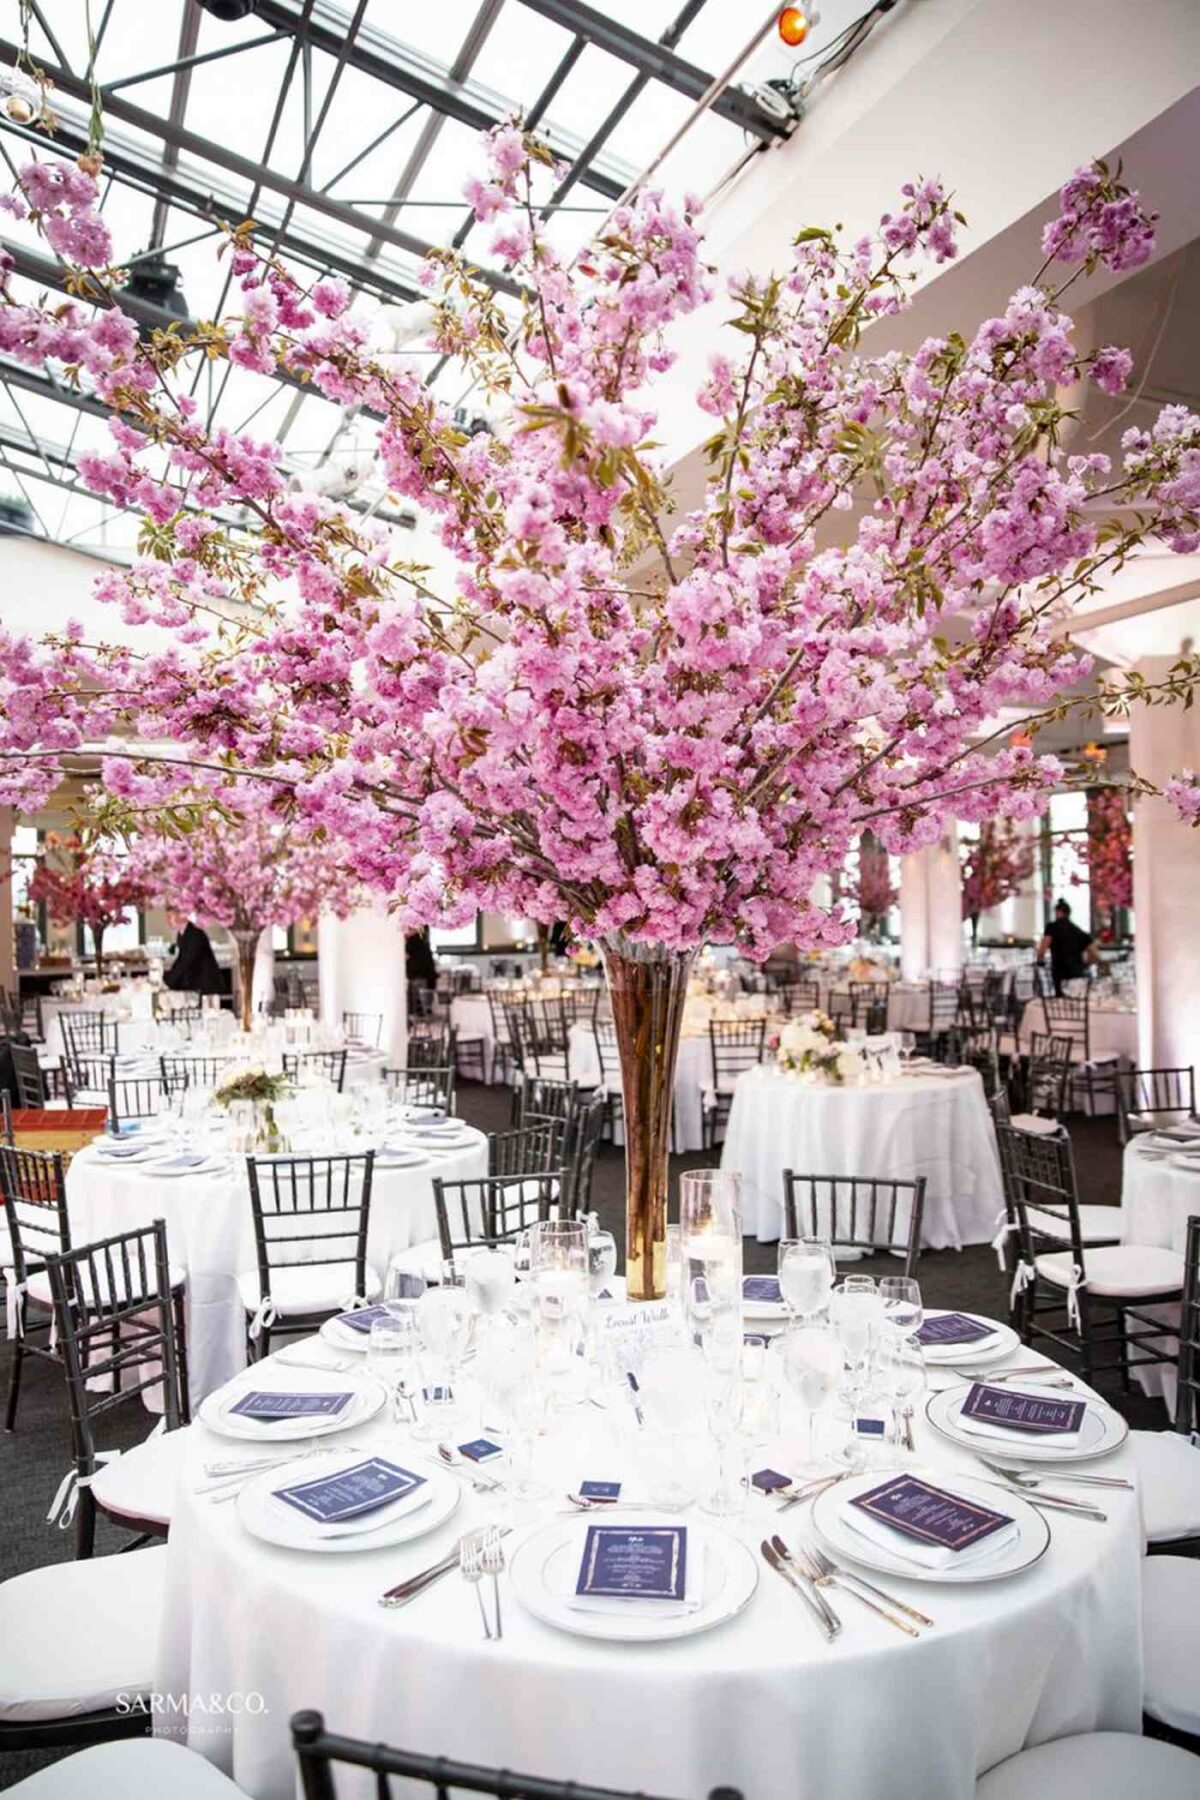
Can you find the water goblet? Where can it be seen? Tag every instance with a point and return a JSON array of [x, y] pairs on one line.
[[444, 1326], [902, 1377], [807, 1273], [392, 1350]]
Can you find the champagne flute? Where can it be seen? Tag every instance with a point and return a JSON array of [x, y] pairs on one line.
[[902, 1371]]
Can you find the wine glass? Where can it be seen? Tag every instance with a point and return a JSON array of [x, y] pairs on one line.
[[812, 1363], [902, 1374], [807, 1273], [856, 1312], [902, 1305], [444, 1325], [392, 1350], [908, 1045]]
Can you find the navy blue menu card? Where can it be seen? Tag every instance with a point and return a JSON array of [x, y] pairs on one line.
[[1033, 1413], [760, 1287], [600, 1490], [768, 1481], [269, 1407], [479, 1449], [929, 1514], [953, 1328], [364, 1318], [366, 1487], [623, 1562]]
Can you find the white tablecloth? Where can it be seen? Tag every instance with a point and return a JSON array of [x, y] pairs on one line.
[[936, 1126], [143, 1042], [693, 1073], [137, 1030], [1158, 1196], [210, 1234], [761, 1702]]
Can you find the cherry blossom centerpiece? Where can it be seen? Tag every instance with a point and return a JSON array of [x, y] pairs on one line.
[[658, 725]]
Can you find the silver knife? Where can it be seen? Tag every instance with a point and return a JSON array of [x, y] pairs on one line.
[[809, 1596], [785, 1556]]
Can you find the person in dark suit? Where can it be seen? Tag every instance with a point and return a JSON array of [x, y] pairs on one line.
[[195, 969]]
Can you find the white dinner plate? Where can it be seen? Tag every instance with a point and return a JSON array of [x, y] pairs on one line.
[[208, 1165], [983, 1350], [342, 1338], [267, 1519], [1101, 1432], [544, 1569], [367, 1397], [1033, 1532]]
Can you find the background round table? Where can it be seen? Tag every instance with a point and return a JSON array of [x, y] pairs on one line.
[[761, 1702], [210, 1233], [1112, 1030], [693, 1073], [932, 1125], [1159, 1193]]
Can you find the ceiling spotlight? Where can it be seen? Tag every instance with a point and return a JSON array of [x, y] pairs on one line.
[[228, 10], [20, 96], [156, 281], [794, 24]]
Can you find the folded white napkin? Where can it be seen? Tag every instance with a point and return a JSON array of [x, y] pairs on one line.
[[693, 1589], [925, 1556]]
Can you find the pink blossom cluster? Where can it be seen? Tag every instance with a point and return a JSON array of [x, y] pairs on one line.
[[656, 723], [995, 866], [1100, 221], [87, 883], [62, 196], [1183, 791], [1109, 850]]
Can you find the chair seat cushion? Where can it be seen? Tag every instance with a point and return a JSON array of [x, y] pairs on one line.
[[303, 1288], [1119, 1271], [1171, 1642], [37, 1288], [1102, 1765], [1169, 1480], [131, 1769], [75, 1635], [140, 1484], [1035, 1124], [1098, 1224]]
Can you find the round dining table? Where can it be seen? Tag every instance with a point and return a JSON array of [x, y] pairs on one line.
[[930, 1122], [210, 1229], [1160, 1191], [761, 1702]]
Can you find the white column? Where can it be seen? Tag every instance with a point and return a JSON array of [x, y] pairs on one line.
[[931, 927], [361, 965], [8, 956], [1166, 885]]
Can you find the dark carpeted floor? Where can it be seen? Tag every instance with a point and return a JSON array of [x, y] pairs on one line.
[[37, 1454]]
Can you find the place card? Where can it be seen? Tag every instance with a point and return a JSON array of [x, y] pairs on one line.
[[363, 1318], [953, 1328], [629, 1329], [332, 1499], [437, 1396], [479, 1449], [599, 1490], [870, 1428], [1036, 1414], [269, 1407], [769, 1481], [761, 1287], [623, 1562], [930, 1515]]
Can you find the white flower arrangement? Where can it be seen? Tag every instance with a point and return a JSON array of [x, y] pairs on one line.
[[808, 1046]]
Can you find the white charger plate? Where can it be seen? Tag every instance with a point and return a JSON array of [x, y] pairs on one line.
[[983, 1350], [1032, 1542], [545, 1567], [267, 1519], [342, 1338], [1101, 1432], [172, 1172], [367, 1398]]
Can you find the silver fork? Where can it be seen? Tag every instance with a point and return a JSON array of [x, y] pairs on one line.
[[820, 1578], [493, 1564], [781, 1550], [827, 1566], [1029, 1478], [470, 1562]]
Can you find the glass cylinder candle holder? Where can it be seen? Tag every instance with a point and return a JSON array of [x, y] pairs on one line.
[[710, 1231]]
